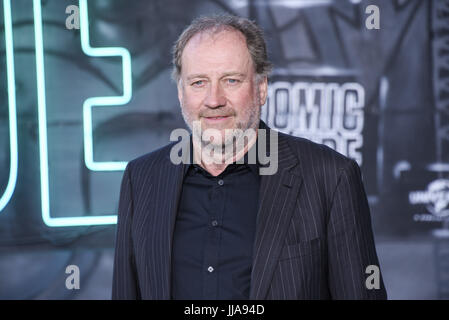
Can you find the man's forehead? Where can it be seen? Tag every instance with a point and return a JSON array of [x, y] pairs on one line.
[[210, 38], [213, 35]]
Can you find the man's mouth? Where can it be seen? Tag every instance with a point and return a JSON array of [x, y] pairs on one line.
[[218, 118]]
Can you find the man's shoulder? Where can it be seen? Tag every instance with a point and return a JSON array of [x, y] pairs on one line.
[[152, 159], [315, 154]]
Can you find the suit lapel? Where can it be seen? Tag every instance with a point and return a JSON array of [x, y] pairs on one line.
[[278, 194]]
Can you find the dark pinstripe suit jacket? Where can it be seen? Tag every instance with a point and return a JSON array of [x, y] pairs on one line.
[[313, 235]]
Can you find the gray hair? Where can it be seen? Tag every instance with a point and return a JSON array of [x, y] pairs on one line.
[[253, 34]]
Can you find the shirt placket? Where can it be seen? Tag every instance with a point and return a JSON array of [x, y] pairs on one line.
[[211, 266]]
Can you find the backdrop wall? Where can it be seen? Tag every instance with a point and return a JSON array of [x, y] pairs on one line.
[[379, 96]]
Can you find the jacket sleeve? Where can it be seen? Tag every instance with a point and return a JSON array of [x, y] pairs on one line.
[[125, 282], [351, 247]]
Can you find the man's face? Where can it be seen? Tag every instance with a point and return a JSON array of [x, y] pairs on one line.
[[218, 85]]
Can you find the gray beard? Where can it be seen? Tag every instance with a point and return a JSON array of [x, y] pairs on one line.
[[231, 141]]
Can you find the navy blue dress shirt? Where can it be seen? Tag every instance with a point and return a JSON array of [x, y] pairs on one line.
[[214, 232]]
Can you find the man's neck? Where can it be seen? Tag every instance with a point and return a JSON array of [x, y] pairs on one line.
[[217, 165]]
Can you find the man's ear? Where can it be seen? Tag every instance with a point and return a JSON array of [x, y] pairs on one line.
[[263, 90], [180, 91]]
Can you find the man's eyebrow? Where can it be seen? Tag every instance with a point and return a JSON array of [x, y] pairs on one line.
[[227, 74], [238, 74], [193, 76]]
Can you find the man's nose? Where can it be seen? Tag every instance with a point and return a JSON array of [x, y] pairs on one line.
[[215, 96]]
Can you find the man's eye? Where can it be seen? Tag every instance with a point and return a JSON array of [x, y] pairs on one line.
[[232, 81], [198, 83]]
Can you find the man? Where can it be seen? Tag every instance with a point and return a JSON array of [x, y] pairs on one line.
[[219, 229]]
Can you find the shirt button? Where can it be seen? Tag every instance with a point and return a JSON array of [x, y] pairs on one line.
[[210, 269], [220, 182], [215, 223]]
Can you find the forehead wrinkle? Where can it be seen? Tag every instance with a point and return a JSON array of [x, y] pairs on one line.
[[215, 33]]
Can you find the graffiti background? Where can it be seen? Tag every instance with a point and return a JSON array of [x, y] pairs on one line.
[[378, 96]]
